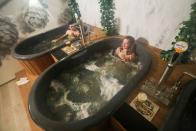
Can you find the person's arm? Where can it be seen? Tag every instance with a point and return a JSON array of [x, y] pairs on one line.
[[122, 55], [61, 37], [77, 33], [117, 51], [132, 53], [130, 57]]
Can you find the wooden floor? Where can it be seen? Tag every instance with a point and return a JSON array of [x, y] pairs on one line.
[[24, 92], [13, 116]]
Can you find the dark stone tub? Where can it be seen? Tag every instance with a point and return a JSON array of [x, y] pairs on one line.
[[39, 108], [41, 44], [182, 116]]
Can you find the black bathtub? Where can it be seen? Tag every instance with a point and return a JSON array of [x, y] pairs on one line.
[[37, 100], [182, 116], [40, 44]]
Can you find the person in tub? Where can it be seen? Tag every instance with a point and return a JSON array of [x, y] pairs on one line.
[[127, 51], [71, 33]]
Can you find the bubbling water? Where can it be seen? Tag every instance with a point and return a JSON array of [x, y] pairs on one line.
[[82, 91]]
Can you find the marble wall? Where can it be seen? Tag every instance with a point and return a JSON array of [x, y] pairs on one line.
[[33, 16], [156, 20], [20, 19]]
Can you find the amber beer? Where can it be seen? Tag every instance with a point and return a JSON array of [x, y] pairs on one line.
[[181, 47]]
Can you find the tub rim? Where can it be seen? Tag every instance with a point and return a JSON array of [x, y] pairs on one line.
[[48, 51], [103, 113]]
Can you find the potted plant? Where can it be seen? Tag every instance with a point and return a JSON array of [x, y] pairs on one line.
[[108, 21], [188, 34]]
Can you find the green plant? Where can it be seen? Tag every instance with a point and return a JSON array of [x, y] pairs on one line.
[[188, 34], [73, 6], [108, 21]]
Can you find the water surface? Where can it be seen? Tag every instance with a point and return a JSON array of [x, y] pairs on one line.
[[80, 92]]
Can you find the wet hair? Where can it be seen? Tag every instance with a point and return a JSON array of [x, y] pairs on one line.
[[130, 39], [132, 46]]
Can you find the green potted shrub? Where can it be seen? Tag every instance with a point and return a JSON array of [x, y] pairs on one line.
[[188, 34], [108, 21], [73, 6]]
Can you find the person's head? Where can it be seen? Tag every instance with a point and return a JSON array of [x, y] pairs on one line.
[[72, 27], [128, 41]]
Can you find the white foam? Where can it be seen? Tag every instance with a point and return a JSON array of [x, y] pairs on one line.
[[68, 116], [109, 88], [84, 88], [91, 66], [57, 86], [81, 109]]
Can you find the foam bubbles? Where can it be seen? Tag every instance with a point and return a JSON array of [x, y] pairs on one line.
[[91, 66], [83, 91], [110, 86], [80, 109]]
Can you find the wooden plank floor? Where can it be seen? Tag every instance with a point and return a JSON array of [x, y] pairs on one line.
[[13, 116], [24, 91]]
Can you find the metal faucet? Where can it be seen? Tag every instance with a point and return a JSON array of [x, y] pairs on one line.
[[180, 47], [89, 37], [80, 23], [170, 67]]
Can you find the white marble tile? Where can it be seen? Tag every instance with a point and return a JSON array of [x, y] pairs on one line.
[[156, 20]]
